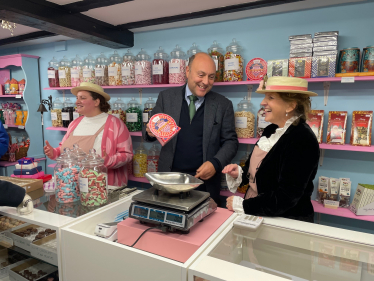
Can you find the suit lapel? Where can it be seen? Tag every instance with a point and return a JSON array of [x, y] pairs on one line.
[[176, 108], [210, 110]]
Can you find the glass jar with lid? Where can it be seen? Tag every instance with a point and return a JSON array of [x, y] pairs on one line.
[[244, 119], [67, 113], [93, 180], [89, 65], [233, 68], [140, 162], [53, 80], [160, 67], [76, 71], [177, 66], [56, 116], [64, 72], [143, 69], [192, 51], [79, 154], [147, 112], [261, 123], [114, 70], [217, 54], [66, 174], [133, 116], [101, 70], [128, 69], [119, 110], [152, 159]]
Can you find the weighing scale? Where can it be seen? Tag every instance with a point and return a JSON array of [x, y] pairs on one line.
[[172, 211]]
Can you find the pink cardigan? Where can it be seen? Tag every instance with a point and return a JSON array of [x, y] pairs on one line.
[[116, 143]]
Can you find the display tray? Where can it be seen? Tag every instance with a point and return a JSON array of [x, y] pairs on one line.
[[44, 249], [33, 265]]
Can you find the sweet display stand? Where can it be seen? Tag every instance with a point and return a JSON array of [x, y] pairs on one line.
[[106, 260], [31, 96]]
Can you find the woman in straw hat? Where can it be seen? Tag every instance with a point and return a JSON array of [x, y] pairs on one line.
[[282, 166], [107, 134]]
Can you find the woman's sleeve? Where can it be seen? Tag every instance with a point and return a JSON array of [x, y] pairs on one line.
[[300, 161], [122, 140]]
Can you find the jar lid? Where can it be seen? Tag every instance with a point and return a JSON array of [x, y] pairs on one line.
[[57, 104], [141, 149], [193, 50], [133, 103], [142, 55], [68, 103], [80, 154], [128, 55], [215, 48], [67, 157], [178, 53], [102, 59], [119, 104], [160, 54], [150, 103], [65, 62], [245, 104], [54, 63], [89, 60], [233, 46], [115, 57], [77, 61], [92, 159]]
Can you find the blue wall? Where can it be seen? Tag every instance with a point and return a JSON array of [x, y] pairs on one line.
[[265, 37]]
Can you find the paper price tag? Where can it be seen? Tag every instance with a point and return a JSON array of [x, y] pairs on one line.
[[65, 116], [157, 69], [131, 117], [18, 96], [51, 74], [99, 72], [21, 127], [138, 70], [5, 126], [83, 184], [87, 73], [75, 115], [74, 73], [216, 63], [231, 64], [348, 80], [126, 71], [241, 122], [62, 74], [174, 67], [145, 117], [53, 116], [112, 71]]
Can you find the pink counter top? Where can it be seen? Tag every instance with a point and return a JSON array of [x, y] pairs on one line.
[[175, 246]]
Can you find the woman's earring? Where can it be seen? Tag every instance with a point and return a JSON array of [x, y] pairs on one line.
[[286, 113]]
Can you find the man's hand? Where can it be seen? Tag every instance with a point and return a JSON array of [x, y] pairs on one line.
[[232, 170], [149, 132], [229, 202], [48, 150], [205, 171], [26, 207]]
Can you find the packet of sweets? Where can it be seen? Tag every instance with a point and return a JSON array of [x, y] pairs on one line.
[[323, 188], [163, 127], [345, 193]]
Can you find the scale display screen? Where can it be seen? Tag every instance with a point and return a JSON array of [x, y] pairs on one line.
[[157, 215], [140, 211], [174, 218]]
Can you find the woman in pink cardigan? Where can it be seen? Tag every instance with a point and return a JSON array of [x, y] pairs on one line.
[[107, 134]]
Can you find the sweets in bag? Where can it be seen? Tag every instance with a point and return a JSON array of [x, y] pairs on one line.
[[361, 128], [336, 129], [334, 185], [163, 127], [315, 122], [345, 193], [323, 188]]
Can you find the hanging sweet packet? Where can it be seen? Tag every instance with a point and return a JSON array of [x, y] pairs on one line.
[[345, 193], [323, 188], [333, 189], [315, 122], [336, 129], [361, 128]]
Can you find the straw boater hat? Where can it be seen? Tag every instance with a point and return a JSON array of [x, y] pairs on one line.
[[279, 84], [87, 86]]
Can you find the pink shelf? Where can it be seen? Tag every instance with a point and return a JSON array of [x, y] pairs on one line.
[[52, 165], [347, 147], [9, 96], [340, 212], [136, 134], [14, 126], [57, 129], [248, 141], [228, 193], [132, 178], [7, 164]]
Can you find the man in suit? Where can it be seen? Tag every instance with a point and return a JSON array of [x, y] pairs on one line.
[[207, 140]]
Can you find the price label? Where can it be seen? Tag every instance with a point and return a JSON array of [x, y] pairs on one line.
[[18, 96], [53, 116], [83, 184], [65, 116], [74, 73], [348, 80], [157, 69], [231, 64], [241, 122], [87, 73], [112, 71], [174, 67], [126, 71], [145, 117], [5, 126], [62, 74], [51, 74], [75, 115], [99, 72], [131, 117], [216, 63], [138, 70], [21, 127]]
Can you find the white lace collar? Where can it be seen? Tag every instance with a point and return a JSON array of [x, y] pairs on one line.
[[266, 144]]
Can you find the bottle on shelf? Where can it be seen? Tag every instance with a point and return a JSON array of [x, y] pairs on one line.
[[56, 111], [89, 69], [101, 70], [67, 113], [244, 119], [160, 67], [119, 110], [76, 71], [140, 162], [53, 79], [192, 51], [134, 116], [152, 159], [234, 63], [177, 66], [143, 69], [64, 72], [217, 54], [128, 69], [114, 70], [147, 112]]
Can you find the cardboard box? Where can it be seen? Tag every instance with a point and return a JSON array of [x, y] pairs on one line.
[[14, 272], [363, 201], [323, 66], [28, 184], [4, 270], [45, 254]]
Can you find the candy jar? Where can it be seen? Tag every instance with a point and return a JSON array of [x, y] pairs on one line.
[[66, 173], [93, 180], [76, 71], [192, 51], [143, 69], [67, 113], [7, 87], [128, 69], [133, 116], [140, 162], [160, 67], [13, 87], [101, 70], [89, 69], [21, 86], [79, 153], [53, 79], [233, 69], [114, 70], [56, 116], [152, 159], [119, 110], [148, 106], [177, 66], [64, 72], [244, 119], [216, 52]]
